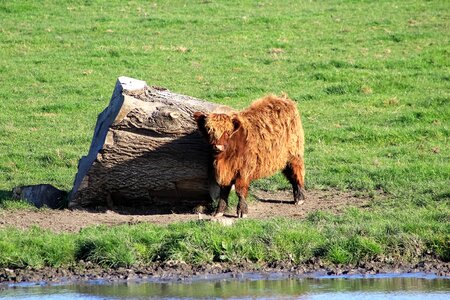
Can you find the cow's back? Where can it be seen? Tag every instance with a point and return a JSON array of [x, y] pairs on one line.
[[274, 136]]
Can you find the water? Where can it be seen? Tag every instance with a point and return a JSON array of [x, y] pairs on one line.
[[252, 287]]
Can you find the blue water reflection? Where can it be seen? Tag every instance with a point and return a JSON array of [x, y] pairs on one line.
[[252, 287]]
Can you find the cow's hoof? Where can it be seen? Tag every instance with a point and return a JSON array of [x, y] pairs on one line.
[[299, 202], [218, 215], [241, 214], [302, 195]]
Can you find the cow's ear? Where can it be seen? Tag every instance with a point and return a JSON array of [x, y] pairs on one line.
[[200, 118]]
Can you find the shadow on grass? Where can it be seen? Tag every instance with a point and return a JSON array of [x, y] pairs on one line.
[[5, 195]]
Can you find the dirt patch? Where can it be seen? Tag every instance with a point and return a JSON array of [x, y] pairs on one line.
[[266, 205], [280, 203]]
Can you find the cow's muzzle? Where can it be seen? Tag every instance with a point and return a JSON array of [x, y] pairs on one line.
[[219, 148]]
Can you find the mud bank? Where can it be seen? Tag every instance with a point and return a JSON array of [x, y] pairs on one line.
[[176, 271]]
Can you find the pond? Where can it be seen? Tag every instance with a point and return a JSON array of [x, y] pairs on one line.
[[250, 286]]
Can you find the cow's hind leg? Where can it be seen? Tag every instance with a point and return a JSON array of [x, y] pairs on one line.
[[242, 187], [295, 173], [223, 200]]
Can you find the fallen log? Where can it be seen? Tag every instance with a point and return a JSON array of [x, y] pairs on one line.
[[146, 151]]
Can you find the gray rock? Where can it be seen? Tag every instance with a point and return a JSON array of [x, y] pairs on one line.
[[41, 195]]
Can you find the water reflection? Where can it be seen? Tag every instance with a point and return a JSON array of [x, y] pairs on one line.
[[337, 288], [265, 288]]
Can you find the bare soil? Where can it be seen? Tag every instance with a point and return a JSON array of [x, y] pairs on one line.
[[266, 205]]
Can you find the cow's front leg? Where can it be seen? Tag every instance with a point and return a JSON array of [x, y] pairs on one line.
[[242, 186], [223, 201]]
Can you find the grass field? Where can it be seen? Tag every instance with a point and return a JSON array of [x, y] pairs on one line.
[[371, 79]]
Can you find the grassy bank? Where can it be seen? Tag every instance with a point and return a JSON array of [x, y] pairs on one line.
[[371, 81], [350, 238]]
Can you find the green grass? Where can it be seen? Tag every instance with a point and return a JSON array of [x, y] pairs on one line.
[[355, 236], [370, 78], [11, 205]]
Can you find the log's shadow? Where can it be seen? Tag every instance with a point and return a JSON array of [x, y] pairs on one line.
[[133, 211]]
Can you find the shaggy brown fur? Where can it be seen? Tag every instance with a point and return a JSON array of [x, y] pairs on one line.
[[254, 143]]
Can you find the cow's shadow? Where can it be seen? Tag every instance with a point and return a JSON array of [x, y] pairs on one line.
[[273, 201]]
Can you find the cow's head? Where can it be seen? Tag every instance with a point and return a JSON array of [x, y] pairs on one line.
[[217, 128]]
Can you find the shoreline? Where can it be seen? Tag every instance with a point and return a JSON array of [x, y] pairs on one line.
[[182, 272]]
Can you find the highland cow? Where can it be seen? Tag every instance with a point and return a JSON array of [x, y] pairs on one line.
[[254, 143]]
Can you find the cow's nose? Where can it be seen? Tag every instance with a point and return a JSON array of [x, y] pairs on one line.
[[219, 148]]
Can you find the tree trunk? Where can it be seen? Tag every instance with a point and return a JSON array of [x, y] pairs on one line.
[[146, 151]]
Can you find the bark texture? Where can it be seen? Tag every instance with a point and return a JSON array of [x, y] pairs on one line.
[[146, 151]]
